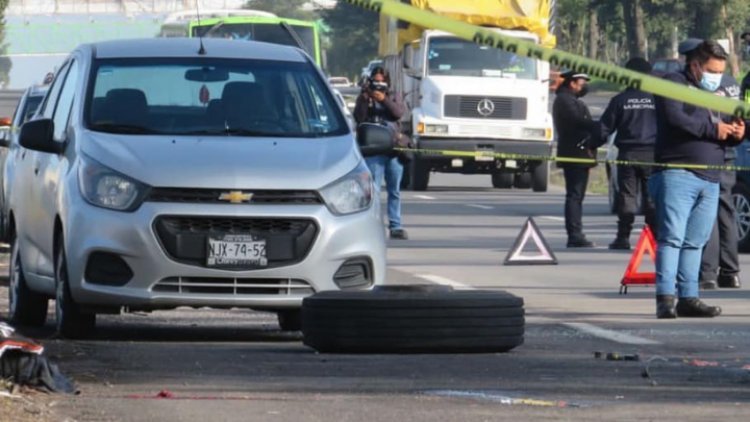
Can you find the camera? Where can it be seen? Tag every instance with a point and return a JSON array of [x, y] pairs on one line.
[[379, 86]]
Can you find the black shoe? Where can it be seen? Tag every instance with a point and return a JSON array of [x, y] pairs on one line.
[[727, 281], [621, 244], [399, 234], [709, 285], [665, 307], [580, 243], [695, 308]]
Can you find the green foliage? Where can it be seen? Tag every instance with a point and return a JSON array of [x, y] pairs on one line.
[[284, 8], [354, 37], [5, 63]]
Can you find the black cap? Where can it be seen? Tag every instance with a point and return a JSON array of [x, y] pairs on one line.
[[689, 45], [638, 64], [570, 75]]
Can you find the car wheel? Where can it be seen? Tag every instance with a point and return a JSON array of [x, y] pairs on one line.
[[413, 319], [522, 181], [290, 320], [71, 322], [540, 177], [502, 180], [25, 307], [741, 196]]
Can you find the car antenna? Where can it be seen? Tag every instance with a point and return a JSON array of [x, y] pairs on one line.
[[202, 49]]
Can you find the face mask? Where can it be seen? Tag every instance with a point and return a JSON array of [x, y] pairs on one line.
[[711, 81], [583, 91]]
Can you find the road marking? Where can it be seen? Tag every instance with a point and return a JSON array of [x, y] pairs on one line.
[[431, 198], [445, 281], [549, 217], [481, 207], [609, 334]]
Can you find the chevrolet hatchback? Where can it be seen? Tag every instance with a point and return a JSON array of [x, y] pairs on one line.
[[172, 172]]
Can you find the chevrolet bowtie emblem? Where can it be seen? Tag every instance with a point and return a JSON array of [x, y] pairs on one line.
[[236, 197]]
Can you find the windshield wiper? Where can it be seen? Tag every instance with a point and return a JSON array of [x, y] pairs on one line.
[[123, 128], [256, 133]]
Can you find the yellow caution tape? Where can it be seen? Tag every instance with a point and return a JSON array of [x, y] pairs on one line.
[[569, 160], [610, 73]]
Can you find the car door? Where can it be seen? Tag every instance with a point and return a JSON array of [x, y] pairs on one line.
[[24, 193], [49, 169]]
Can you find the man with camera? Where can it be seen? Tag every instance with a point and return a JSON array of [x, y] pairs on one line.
[[377, 104]]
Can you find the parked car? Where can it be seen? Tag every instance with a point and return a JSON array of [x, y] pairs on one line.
[[339, 82], [741, 195], [161, 173], [25, 109]]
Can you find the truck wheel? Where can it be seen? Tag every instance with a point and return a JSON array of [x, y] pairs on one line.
[[410, 319], [502, 180], [290, 320], [522, 181], [540, 177], [420, 175], [741, 196]]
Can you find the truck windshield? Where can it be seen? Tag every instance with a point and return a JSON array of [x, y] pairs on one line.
[[455, 57], [212, 96], [272, 33]]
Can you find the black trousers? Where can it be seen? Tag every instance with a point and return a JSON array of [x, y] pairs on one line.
[[720, 253], [576, 181], [632, 182]]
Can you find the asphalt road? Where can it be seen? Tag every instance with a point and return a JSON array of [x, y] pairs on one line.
[[236, 365]]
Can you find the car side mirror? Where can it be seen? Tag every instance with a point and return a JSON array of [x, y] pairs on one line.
[[374, 139], [37, 135]]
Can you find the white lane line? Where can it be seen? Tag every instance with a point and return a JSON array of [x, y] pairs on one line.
[[445, 281], [549, 217], [481, 207], [609, 334], [430, 198]]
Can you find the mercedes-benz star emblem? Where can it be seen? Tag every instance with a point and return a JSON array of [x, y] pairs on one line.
[[486, 107]]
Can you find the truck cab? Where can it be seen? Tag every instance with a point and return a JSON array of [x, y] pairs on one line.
[[480, 101]]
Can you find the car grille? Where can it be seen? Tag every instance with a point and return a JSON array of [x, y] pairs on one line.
[[234, 286], [211, 196], [507, 108], [185, 239]]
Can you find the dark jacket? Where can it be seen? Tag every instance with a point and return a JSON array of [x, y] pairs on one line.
[[388, 112], [729, 88], [688, 134], [574, 127], [632, 114]]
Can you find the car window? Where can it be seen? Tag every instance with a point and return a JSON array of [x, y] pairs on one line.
[[65, 103], [50, 100], [30, 107], [209, 96]]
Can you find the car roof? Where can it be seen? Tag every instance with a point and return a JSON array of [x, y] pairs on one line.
[[188, 47]]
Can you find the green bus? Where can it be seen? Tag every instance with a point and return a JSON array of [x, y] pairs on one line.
[[246, 25]]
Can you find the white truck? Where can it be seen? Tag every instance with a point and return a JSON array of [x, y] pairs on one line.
[[461, 96]]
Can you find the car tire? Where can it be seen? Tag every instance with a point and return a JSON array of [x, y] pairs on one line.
[[290, 319], [741, 198], [413, 319], [540, 177], [25, 306], [522, 181], [502, 180], [420, 175], [70, 321]]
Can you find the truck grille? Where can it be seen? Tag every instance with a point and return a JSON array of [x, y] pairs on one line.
[[234, 286], [506, 108]]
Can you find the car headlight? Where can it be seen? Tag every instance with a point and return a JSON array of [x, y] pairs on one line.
[[103, 187], [350, 194]]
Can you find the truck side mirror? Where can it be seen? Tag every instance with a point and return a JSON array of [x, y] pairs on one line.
[[374, 139], [414, 74]]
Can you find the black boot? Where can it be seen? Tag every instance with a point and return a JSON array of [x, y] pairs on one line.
[[692, 307], [665, 307], [729, 281], [620, 243]]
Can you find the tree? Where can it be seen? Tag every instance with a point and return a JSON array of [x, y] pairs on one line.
[[354, 38], [284, 8], [5, 63]]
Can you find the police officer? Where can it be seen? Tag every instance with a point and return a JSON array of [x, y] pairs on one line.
[[720, 256], [632, 114], [576, 131]]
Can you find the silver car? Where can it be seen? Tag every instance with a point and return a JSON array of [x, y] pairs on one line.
[[168, 172]]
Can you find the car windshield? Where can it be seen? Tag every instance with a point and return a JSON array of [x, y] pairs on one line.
[[211, 96], [455, 57]]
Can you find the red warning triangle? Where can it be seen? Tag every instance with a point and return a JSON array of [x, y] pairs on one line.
[[544, 254], [646, 244]]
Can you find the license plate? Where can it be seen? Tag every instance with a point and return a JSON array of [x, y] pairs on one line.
[[236, 250], [484, 156]]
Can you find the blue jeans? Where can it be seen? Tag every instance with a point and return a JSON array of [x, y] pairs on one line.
[[383, 166], [686, 208]]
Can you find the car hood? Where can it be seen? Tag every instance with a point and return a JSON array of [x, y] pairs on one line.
[[225, 162]]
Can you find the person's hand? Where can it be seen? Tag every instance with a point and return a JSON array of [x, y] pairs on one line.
[[739, 129], [725, 130], [378, 96]]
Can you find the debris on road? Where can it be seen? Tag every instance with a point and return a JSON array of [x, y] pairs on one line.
[[22, 363], [702, 363], [502, 398]]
